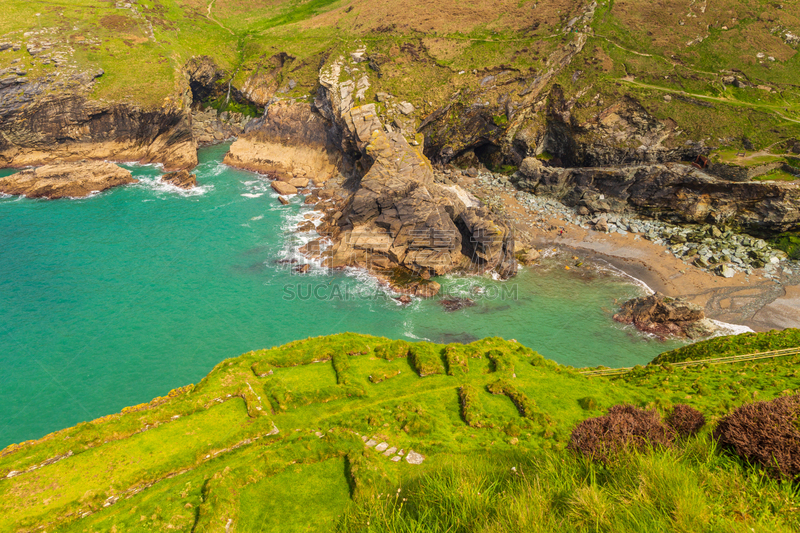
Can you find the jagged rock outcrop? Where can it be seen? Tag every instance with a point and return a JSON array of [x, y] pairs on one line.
[[181, 179], [621, 132], [675, 190], [73, 180], [398, 216], [666, 317], [290, 140], [394, 215], [50, 119]]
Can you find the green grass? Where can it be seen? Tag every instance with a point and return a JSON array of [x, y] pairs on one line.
[[777, 175], [489, 406], [789, 243], [733, 345], [692, 488], [304, 497]]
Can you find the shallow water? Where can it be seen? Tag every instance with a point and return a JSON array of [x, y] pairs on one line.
[[111, 300]]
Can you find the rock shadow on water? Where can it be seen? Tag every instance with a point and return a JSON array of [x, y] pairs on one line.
[[456, 304], [453, 338]]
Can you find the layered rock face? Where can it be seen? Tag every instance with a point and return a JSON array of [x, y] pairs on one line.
[[666, 317], [674, 190], [383, 212], [74, 180], [398, 217], [47, 121], [289, 141]]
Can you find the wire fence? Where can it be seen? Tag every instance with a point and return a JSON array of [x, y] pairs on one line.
[[716, 361]]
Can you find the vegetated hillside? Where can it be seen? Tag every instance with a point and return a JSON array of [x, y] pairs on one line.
[[728, 69], [342, 432], [746, 343]]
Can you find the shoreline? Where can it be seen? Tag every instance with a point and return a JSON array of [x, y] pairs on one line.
[[753, 300]]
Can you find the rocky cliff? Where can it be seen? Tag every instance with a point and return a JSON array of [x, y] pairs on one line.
[[675, 191], [384, 212], [51, 119], [291, 140]]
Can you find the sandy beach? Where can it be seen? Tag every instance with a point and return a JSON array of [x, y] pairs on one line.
[[749, 300]]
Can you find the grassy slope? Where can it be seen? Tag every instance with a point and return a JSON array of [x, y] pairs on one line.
[[208, 454], [746, 343], [423, 47]]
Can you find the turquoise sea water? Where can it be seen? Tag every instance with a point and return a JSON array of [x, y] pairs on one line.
[[111, 300]]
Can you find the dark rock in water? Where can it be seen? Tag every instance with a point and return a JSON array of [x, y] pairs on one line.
[[454, 304], [666, 317], [283, 200], [404, 299], [302, 269], [181, 179], [460, 338]]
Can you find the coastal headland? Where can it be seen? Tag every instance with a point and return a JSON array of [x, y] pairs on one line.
[[422, 141]]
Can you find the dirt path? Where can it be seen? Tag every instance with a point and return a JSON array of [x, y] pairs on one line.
[[215, 21], [766, 108]]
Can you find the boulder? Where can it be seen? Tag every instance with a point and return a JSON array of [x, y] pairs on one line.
[[74, 180], [725, 271], [531, 167], [405, 108], [283, 188], [454, 304], [300, 183], [666, 317], [181, 179]]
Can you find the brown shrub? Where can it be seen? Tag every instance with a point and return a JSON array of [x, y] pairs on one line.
[[767, 433], [624, 427], [685, 420]]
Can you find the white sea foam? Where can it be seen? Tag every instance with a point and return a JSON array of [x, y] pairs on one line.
[[259, 217], [621, 273], [407, 332], [253, 195], [730, 329], [155, 184]]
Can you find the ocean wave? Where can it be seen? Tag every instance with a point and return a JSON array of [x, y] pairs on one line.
[[407, 332], [155, 184], [730, 329], [608, 267]]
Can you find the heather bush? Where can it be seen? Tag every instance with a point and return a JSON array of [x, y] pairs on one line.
[[624, 427], [765, 433], [685, 421]]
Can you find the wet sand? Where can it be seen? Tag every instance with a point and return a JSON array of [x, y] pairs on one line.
[[750, 300]]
